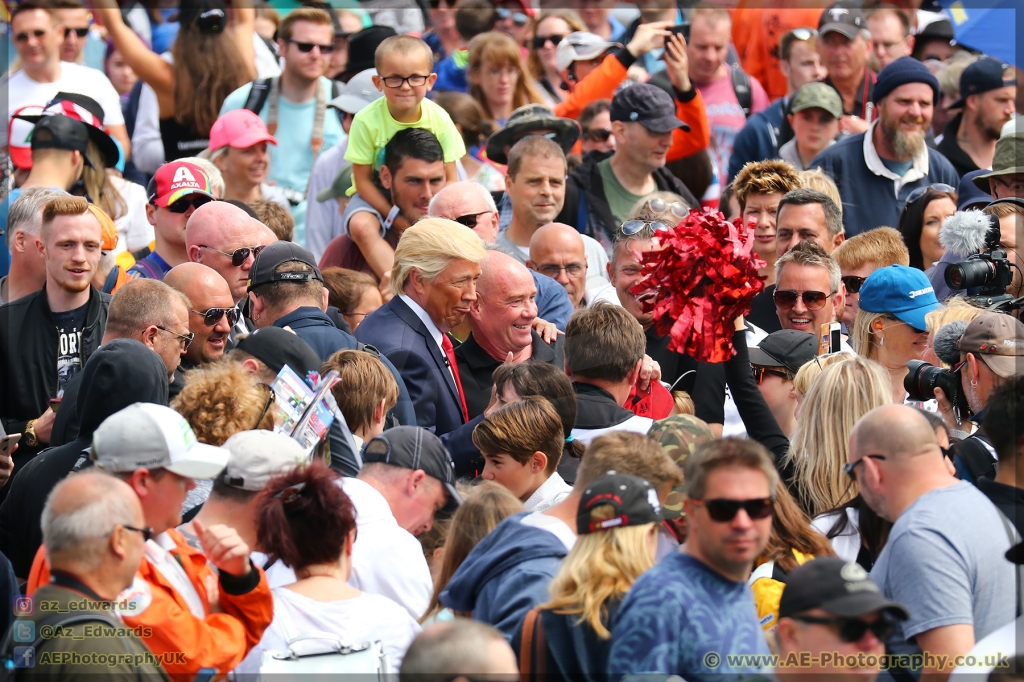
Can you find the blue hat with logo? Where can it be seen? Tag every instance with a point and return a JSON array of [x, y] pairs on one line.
[[900, 291]]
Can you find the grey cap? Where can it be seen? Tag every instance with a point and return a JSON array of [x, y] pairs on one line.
[[154, 437], [413, 447], [357, 93], [818, 96], [257, 456]]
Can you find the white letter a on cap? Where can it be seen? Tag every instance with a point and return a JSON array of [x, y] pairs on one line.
[[182, 175]]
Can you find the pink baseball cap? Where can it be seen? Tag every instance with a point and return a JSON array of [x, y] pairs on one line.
[[240, 129], [19, 136]]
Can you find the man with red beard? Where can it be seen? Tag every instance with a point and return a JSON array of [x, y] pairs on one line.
[[46, 337], [877, 170]]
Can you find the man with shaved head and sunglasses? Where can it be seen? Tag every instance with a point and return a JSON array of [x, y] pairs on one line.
[[211, 315]]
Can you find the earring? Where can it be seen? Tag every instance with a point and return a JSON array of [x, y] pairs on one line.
[[974, 383], [255, 318], [881, 341]]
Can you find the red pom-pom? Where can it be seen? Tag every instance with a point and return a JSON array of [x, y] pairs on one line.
[[703, 276]]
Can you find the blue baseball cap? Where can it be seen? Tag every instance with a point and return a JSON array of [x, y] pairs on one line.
[[900, 291]]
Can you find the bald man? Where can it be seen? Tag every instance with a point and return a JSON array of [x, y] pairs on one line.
[[944, 556], [225, 238], [557, 251], [501, 320], [212, 314], [470, 204]]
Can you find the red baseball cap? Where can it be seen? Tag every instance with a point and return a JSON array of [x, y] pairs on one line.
[[240, 129], [19, 136], [176, 179]]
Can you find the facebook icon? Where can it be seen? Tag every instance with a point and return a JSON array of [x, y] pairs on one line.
[[24, 657]]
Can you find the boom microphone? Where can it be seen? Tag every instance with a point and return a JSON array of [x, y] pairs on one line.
[[964, 232], [946, 340]]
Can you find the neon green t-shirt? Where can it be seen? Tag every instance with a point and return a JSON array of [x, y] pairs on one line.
[[373, 127]]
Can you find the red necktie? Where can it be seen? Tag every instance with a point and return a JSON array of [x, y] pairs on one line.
[[449, 350]]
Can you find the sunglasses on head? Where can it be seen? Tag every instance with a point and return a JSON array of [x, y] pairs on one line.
[[785, 299], [676, 208], [724, 511], [921, 191], [470, 219], [853, 283], [183, 205], [541, 41], [632, 227], [803, 33], [239, 255], [80, 32], [597, 134], [271, 397], [308, 47], [853, 629], [212, 315], [758, 373], [518, 18]]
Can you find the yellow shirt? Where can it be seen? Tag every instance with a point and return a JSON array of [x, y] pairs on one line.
[[373, 127]]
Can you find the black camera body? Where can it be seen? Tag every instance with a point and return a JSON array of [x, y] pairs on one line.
[[923, 378], [988, 271]]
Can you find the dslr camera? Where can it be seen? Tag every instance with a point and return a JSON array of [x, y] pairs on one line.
[[988, 271], [923, 378]]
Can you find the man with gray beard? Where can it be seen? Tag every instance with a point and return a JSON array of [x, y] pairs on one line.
[[879, 170]]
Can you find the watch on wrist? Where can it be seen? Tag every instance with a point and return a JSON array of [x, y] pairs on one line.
[[30, 434]]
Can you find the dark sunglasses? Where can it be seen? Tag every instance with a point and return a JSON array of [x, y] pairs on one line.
[[397, 81], [518, 18], [183, 205], [597, 134], [185, 339], [785, 299], [724, 511], [853, 283], [271, 397], [470, 219], [212, 315], [308, 47], [850, 468], [758, 372], [239, 255], [147, 533], [80, 32], [921, 191], [23, 37], [853, 629], [541, 41]]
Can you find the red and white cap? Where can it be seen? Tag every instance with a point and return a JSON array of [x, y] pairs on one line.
[[19, 136], [88, 111], [240, 129]]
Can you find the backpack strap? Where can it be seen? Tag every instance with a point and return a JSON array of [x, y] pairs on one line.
[[258, 95], [526, 645], [741, 86], [976, 458]]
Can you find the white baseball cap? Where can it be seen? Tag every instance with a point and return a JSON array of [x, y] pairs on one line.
[[580, 47], [154, 437], [257, 456], [357, 93]]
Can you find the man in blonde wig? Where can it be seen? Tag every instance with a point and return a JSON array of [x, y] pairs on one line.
[[437, 264]]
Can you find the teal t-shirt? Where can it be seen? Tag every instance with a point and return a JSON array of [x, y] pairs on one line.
[[900, 168]]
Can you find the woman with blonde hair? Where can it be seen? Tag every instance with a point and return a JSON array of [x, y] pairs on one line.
[[497, 79], [954, 309], [569, 636], [482, 508], [810, 371], [667, 208], [549, 29], [843, 394]]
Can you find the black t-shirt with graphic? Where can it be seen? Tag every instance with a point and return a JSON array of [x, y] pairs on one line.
[[69, 345]]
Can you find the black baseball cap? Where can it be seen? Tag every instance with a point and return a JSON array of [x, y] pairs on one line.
[[988, 73], [276, 347], [648, 105], [634, 501], [834, 585], [787, 348], [413, 447], [843, 18], [62, 132], [275, 254], [362, 47]]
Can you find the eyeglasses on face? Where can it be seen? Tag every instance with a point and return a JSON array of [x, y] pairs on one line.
[[553, 270], [308, 47], [597, 134], [785, 299], [212, 315], [183, 205], [470, 219], [852, 283], [393, 82], [23, 37], [80, 32], [921, 191], [185, 339], [541, 41], [239, 255], [147, 533], [723, 511], [850, 468], [759, 372], [518, 18], [853, 629]]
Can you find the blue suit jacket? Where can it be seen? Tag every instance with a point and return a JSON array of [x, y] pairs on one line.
[[401, 336]]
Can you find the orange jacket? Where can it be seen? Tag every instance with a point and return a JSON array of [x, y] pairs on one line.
[[602, 82], [756, 32], [187, 643]]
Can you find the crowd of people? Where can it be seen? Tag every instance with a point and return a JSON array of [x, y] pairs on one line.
[[330, 343]]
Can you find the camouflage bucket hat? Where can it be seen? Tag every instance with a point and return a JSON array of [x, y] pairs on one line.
[[680, 436]]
